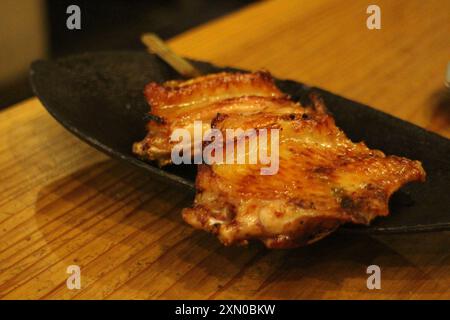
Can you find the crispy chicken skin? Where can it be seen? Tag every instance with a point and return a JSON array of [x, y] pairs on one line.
[[324, 180], [176, 104]]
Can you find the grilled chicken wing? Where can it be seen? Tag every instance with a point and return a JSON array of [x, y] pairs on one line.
[[323, 178], [176, 104], [323, 181]]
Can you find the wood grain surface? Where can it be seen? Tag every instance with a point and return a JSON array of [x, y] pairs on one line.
[[63, 203]]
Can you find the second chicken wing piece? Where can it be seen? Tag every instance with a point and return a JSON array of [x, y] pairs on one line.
[[323, 181], [177, 104]]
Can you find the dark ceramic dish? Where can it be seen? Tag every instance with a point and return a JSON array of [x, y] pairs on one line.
[[98, 97]]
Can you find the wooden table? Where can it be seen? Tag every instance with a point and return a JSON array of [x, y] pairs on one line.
[[63, 203]]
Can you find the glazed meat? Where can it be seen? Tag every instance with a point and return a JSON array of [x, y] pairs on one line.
[[323, 180], [177, 104]]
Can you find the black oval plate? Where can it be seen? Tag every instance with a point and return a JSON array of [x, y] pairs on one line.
[[98, 97]]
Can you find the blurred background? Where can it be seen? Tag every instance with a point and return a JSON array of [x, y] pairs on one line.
[[35, 29]]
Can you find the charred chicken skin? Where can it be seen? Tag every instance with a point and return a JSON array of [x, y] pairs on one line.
[[323, 180], [177, 104]]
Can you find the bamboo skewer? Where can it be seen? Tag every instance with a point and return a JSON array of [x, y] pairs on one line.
[[157, 46]]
